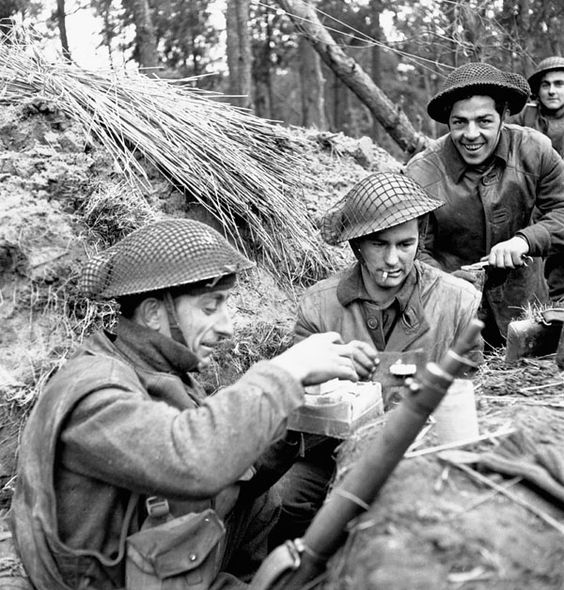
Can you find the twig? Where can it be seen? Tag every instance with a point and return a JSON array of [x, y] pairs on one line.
[[487, 497], [462, 443], [537, 511], [545, 404], [525, 402], [420, 439], [543, 386]]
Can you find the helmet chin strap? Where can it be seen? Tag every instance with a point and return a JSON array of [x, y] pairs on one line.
[[356, 251], [175, 331]]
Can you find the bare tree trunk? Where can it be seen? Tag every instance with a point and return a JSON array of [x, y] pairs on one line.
[[312, 86], [554, 30], [449, 12], [262, 102], [107, 34], [239, 57], [340, 108], [62, 24], [524, 21], [262, 78], [376, 61], [430, 91], [146, 42], [392, 118]]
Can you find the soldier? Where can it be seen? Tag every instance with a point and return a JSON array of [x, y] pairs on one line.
[[387, 299], [546, 114], [491, 177], [128, 475]]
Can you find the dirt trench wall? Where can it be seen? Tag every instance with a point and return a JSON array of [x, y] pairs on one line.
[[62, 199], [434, 526]]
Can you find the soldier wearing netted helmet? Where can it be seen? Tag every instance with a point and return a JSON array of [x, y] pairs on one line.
[[545, 112], [491, 177], [387, 299], [129, 476]]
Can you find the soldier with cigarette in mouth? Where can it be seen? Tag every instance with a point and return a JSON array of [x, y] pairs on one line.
[[387, 300]]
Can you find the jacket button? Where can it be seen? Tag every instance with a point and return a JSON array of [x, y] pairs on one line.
[[372, 323], [489, 179], [193, 557]]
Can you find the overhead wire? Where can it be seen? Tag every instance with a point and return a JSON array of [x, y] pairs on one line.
[[370, 42]]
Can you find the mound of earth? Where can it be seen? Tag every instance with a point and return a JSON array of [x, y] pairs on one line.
[[62, 199], [483, 525]]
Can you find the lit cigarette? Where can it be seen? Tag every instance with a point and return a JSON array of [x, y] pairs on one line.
[[384, 275]]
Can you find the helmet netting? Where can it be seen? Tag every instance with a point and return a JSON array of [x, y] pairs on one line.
[[159, 256], [377, 202]]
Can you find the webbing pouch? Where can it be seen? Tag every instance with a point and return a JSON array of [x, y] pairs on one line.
[[180, 554]]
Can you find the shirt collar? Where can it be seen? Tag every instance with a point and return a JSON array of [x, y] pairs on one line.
[[351, 288], [456, 166], [558, 114]]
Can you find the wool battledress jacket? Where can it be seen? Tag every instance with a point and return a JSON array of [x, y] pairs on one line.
[[550, 124], [485, 206], [123, 419], [427, 314], [434, 310]]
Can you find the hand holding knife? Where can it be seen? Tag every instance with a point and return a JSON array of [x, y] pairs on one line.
[[485, 263]]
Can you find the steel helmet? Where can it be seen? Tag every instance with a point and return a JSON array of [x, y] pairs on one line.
[[549, 64], [377, 202], [161, 255], [479, 78]]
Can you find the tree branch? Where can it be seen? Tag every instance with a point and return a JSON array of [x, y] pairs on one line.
[[389, 115]]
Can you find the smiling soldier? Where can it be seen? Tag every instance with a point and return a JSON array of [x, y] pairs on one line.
[[491, 176], [387, 299]]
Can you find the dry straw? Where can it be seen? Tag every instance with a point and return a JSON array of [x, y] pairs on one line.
[[245, 171]]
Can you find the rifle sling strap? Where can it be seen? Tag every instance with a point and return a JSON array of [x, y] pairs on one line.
[[351, 497]]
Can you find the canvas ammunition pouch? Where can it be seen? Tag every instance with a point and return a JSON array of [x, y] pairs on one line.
[[178, 554]]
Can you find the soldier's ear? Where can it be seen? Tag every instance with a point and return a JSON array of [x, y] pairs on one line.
[[355, 247], [151, 314]]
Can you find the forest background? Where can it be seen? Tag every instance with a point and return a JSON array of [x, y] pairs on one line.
[[361, 67]]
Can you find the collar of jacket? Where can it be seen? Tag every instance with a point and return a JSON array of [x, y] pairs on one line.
[[351, 287], [152, 350], [543, 112], [411, 324], [456, 166]]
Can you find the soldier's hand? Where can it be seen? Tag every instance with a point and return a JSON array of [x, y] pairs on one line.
[[365, 358], [508, 254], [319, 358], [466, 275]]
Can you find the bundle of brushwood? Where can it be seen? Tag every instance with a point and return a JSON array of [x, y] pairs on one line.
[[246, 172]]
